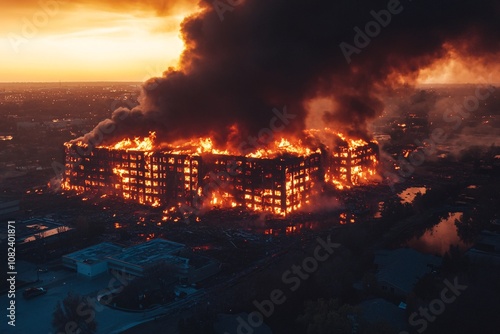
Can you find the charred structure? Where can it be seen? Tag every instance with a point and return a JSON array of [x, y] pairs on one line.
[[279, 184], [347, 165]]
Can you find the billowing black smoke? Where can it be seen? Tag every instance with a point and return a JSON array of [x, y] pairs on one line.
[[269, 53]]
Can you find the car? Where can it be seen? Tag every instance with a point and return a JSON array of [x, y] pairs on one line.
[[34, 292]]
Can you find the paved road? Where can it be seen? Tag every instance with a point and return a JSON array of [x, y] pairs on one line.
[[34, 316]]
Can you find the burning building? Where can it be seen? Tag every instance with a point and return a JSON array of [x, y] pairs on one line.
[[351, 164], [227, 80], [195, 175], [278, 185]]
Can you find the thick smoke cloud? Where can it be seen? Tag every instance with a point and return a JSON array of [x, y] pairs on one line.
[[270, 53]]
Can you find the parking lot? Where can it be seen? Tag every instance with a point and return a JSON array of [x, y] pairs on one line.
[[35, 315]]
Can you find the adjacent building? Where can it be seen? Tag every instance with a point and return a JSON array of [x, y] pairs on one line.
[[91, 261], [36, 231], [136, 260], [398, 270]]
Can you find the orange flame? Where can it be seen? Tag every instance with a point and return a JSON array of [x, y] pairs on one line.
[[136, 144], [352, 163]]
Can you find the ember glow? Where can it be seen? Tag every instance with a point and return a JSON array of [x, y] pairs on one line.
[[181, 146], [279, 178]]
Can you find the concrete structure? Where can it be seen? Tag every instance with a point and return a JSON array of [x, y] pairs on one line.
[[189, 268], [33, 231], [200, 268], [91, 261], [279, 185], [136, 260], [486, 251], [400, 269], [345, 162]]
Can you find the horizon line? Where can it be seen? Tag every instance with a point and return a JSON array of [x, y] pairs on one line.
[[90, 81], [140, 82]]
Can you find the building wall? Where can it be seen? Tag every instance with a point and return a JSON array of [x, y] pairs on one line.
[[150, 178], [391, 289], [91, 269], [199, 274], [280, 185], [69, 263], [344, 162]]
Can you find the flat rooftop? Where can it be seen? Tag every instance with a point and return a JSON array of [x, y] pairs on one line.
[[31, 229], [148, 253], [94, 253], [35, 225], [489, 238], [403, 266], [198, 261]]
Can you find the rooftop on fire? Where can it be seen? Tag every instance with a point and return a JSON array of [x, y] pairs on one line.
[[279, 181]]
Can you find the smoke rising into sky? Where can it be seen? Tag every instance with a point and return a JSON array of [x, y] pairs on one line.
[[267, 54]]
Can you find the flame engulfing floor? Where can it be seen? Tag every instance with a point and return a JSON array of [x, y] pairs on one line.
[[279, 179]]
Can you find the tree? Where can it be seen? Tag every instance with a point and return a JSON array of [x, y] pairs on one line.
[[379, 328], [395, 211], [427, 287], [200, 323], [468, 228], [156, 286], [455, 261], [74, 314], [328, 317]]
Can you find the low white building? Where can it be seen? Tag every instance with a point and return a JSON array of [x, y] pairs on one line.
[[91, 261], [134, 261]]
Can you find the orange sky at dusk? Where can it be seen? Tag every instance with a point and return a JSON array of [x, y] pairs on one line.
[[91, 40]]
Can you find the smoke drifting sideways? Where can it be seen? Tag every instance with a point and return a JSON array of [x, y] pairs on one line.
[[267, 54]]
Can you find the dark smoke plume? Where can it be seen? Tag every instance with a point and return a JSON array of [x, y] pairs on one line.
[[269, 53]]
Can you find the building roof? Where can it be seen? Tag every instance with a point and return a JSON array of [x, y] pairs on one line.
[[380, 310], [489, 238], [148, 253], [96, 253], [38, 228], [197, 261], [403, 267]]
